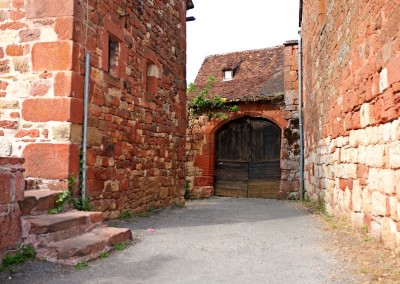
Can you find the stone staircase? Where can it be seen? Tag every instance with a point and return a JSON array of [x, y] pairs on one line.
[[67, 238]]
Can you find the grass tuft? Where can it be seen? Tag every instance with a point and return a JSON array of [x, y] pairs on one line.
[[119, 246], [24, 253]]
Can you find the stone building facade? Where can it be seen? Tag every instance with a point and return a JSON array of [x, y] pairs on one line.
[[264, 85], [137, 115], [351, 86]]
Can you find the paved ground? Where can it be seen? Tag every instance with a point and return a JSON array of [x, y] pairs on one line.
[[220, 240]]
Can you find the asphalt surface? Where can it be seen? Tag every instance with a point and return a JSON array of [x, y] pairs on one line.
[[219, 240]]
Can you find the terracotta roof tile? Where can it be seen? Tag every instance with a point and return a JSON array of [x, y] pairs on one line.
[[257, 73]]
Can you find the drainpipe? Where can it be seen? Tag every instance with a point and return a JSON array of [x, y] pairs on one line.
[[85, 123], [301, 117]]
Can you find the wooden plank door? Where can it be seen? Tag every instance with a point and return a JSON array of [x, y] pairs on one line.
[[248, 159], [232, 154], [264, 164]]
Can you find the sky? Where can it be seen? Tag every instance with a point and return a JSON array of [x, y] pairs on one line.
[[223, 26]]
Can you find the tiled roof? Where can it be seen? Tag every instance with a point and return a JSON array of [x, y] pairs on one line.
[[189, 4], [257, 74]]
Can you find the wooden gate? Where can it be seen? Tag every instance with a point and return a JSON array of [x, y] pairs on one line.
[[248, 159]]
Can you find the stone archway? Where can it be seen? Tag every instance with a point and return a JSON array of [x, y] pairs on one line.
[[201, 154]]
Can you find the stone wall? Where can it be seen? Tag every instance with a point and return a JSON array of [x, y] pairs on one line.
[[282, 110], [137, 115], [137, 123], [11, 191], [35, 104], [351, 111]]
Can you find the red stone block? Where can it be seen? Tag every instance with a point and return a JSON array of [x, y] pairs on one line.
[[18, 4], [356, 119], [376, 111], [3, 85], [51, 161], [12, 26], [52, 56], [58, 109], [39, 87], [14, 50], [204, 181], [34, 133], [8, 124], [1, 53], [37, 9], [16, 15], [393, 68], [396, 88], [94, 188], [15, 162], [62, 84], [5, 186], [64, 27], [343, 183], [14, 114], [362, 173], [91, 157], [45, 133]]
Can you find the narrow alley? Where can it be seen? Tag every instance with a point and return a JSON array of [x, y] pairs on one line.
[[219, 240]]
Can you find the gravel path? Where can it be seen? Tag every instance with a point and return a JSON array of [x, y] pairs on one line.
[[219, 240]]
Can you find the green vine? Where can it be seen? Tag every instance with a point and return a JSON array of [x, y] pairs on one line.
[[67, 197], [205, 104]]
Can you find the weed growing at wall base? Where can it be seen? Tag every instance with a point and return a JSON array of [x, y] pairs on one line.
[[24, 253], [119, 246], [126, 214], [81, 265], [66, 197]]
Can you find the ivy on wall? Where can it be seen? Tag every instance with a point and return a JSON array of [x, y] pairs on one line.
[[203, 103]]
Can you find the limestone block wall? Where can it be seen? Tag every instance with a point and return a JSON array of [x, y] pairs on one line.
[[11, 191], [36, 100], [352, 108]]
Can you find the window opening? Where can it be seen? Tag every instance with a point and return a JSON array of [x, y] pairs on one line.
[[152, 79], [113, 57], [228, 75]]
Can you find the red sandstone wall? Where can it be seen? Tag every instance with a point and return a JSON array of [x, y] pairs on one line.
[[137, 100], [36, 100], [352, 107], [137, 112], [11, 191]]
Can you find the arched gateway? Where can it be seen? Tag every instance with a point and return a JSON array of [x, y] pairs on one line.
[[248, 159]]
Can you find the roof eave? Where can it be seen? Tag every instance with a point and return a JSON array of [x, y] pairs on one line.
[[189, 4]]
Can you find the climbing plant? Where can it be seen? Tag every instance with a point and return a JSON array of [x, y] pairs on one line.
[[203, 103], [67, 197]]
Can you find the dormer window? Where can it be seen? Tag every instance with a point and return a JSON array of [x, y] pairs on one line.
[[228, 75]]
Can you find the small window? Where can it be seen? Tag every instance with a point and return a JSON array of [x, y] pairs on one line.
[[152, 79], [228, 75], [113, 57]]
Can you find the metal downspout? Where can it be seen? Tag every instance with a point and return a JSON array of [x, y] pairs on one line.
[[301, 117], [85, 122]]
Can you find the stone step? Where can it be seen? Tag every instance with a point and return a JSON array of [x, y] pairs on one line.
[[37, 202], [84, 247], [42, 229], [115, 235]]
